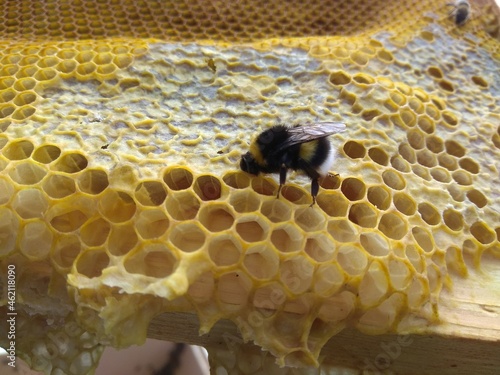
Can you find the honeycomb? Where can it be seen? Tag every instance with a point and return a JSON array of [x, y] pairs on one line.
[[121, 128]]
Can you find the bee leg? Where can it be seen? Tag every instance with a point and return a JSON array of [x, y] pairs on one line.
[[283, 170], [314, 190]]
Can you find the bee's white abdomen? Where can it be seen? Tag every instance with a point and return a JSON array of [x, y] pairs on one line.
[[325, 167]]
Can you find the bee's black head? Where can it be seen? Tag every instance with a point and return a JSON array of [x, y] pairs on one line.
[[248, 164]]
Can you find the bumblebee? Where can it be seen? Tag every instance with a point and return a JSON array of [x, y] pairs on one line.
[[460, 12], [301, 148]]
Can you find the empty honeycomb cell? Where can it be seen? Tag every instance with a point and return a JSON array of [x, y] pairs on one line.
[[224, 251], [400, 275], [347, 97], [296, 274], [375, 244], [86, 69], [65, 251], [35, 240], [475, 196], [355, 150], [151, 224], [482, 233], [328, 279], [26, 173], [58, 186], [435, 144], [252, 229], [462, 178], [435, 72], [429, 213], [26, 71], [67, 67], [333, 204], [25, 84], [400, 164], [480, 81], [446, 85], [469, 165], [363, 79], [95, 233], [374, 286], [122, 60], [208, 188], [244, 201], [103, 58], [451, 120], [432, 111], [30, 203], [393, 179], [363, 215], [154, 260], [264, 186], [352, 260], [216, 218], [391, 105], [91, 263], [416, 139], [7, 110], [287, 239], [46, 154], [353, 189], [422, 172], [150, 193], [423, 239], [183, 205], [202, 289], [71, 163], [319, 248], [397, 98], [378, 155], [417, 292], [7, 96], [261, 262], [453, 219], [232, 291], [379, 196], [117, 206], [47, 62], [309, 220], [23, 112], [340, 78], [426, 158], [295, 194], [25, 98], [359, 58], [6, 82], [237, 180], [404, 203], [45, 74], [440, 174], [448, 162], [407, 152], [456, 193], [393, 226], [122, 239], [276, 210], [408, 117], [85, 56], [68, 221], [178, 178], [415, 258], [18, 150], [6, 191], [370, 114], [187, 237], [93, 181], [454, 148]]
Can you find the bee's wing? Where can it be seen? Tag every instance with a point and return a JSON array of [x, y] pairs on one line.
[[307, 133]]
